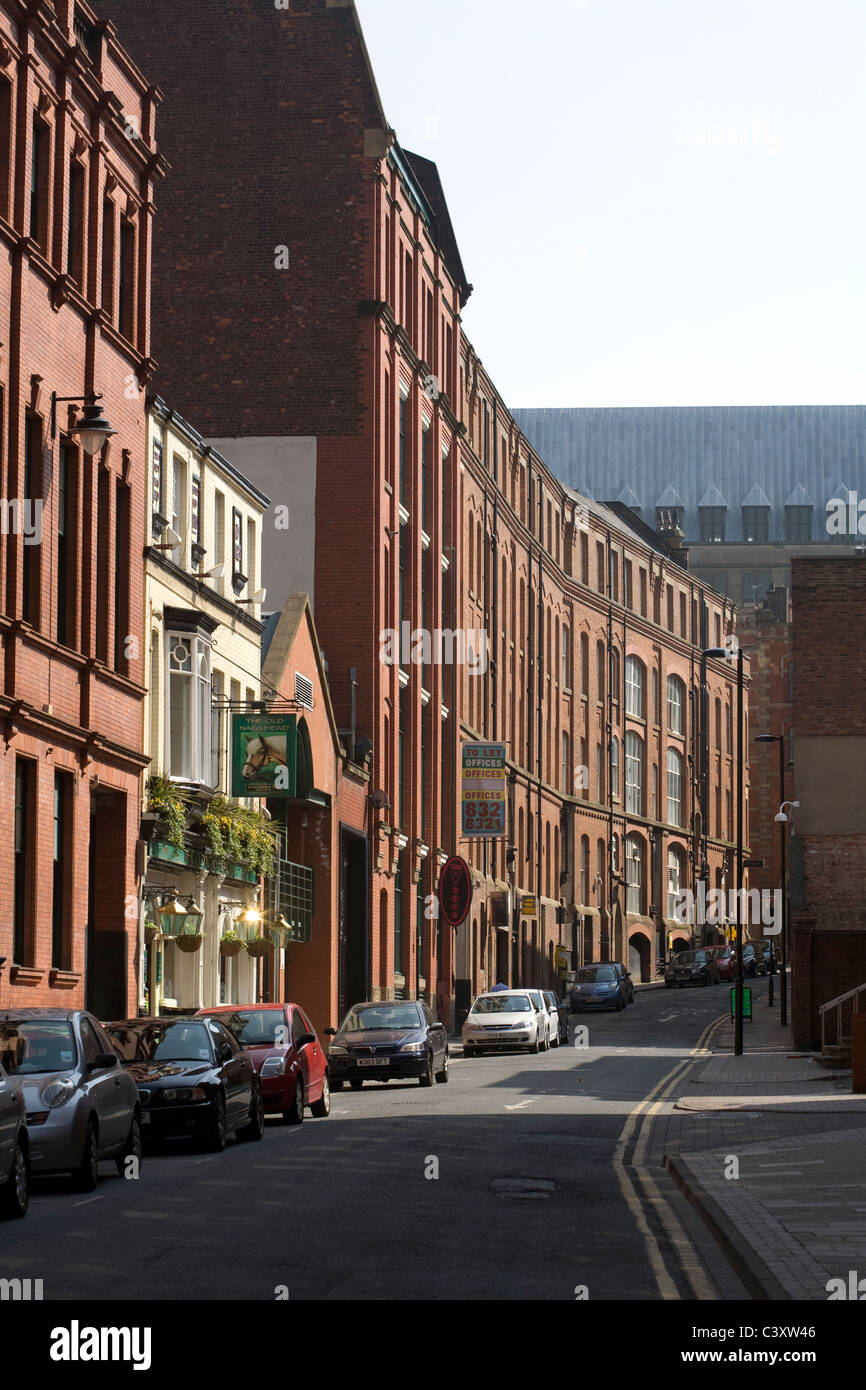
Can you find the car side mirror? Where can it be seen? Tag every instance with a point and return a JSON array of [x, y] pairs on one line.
[[102, 1061], [224, 1052], [330, 1032], [304, 1039]]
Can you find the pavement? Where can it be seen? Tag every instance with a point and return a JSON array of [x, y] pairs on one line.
[[771, 1151]]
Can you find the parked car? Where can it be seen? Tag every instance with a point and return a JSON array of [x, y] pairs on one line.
[[598, 986], [193, 1078], [545, 1025], [766, 951], [692, 968], [753, 961], [14, 1149], [629, 982], [282, 1045], [388, 1039], [81, 1106], [558, 1017], [505, 1019], [725, 961]]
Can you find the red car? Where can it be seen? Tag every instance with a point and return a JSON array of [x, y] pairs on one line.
[[284, 1049]]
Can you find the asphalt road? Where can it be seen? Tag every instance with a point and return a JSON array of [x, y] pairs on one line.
[[502, 1184]]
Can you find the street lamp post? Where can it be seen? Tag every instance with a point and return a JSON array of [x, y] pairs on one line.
[[783, 984], [782, 820]]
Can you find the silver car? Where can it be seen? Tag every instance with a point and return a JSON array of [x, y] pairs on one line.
[[82, 1107], [14, 1151]]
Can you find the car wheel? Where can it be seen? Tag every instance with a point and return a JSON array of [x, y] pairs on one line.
[[669, 984], [336, 1084], [295, 1114], [15, 1196], [256, 1127], [705, 981], [213, 1139], [86, 1175], [533, 1046], [442, 1076], [131, 1149], [468, 1051], [356, 1083], [427, 1078], [620, 1004], [322, 1108]]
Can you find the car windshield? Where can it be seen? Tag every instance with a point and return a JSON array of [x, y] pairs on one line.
[[502, 1004], [257, 1027], [592, 974], [163, 1040], [31, 1046], [689, 958], [381, 1016]]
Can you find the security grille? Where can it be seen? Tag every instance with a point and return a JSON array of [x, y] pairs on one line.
[[290, 893]]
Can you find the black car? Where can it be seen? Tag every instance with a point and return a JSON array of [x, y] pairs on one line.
[[385, 1039], [753, 961], [692, 968], [193, 1077]]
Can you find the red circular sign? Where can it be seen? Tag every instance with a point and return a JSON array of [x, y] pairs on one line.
[[455, 890]]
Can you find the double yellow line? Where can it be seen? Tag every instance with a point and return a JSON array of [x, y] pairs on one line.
[[641, 1120]]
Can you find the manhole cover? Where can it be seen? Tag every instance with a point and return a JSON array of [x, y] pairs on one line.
[[528, 1189]]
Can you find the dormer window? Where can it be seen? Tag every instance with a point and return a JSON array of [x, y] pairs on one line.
[[798, 515], [756, 524], [712, 522]]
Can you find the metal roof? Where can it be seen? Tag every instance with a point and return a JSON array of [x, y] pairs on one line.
[[662, 452]]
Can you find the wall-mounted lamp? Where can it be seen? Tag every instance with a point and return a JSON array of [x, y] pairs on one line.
[[93, 429], [258, 597], [171, 542]]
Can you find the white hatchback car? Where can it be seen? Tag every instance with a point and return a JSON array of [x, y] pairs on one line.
[[504, 1019]]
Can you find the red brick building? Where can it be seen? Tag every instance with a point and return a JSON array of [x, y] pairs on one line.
[[828, 841], [77, 172], [327, 295]]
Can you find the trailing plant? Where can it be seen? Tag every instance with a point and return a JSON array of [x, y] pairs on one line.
[[166, 801], [237, 833]]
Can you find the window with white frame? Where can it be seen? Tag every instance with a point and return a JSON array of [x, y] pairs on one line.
[[634, 774], [675, 787], [634, 686], [675, 879], [189, 707], [676, 702], [614, 767], [633, 874]]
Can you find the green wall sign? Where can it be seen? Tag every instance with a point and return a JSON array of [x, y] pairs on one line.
[[264, 754]]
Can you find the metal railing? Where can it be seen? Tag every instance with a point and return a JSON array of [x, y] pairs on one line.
[[836, 1006]]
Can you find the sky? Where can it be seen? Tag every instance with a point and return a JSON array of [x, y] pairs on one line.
[[657, 203]]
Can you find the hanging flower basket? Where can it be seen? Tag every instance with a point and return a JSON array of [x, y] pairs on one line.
[[190, 943], [231, 945], [259, 946]]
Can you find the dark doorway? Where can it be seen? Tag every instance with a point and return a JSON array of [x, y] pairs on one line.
[[353, 967], [106, 968]]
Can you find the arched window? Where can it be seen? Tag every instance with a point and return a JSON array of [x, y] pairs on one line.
[[634, 875], [675, 787], [547, 865], [676, 878], [729, 731], [655, 690], [634, 773], [599, 870], [676, 704], [584, 869], [479, 560], [614, 675], [599, 670], [584, 665], [634, 687], [471, 552], [520, 866], [718, 726], [614, 766]]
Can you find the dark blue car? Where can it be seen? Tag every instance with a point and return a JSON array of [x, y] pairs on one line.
[[598, 987]]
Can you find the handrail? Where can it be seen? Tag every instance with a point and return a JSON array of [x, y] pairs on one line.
[[836, 1004]]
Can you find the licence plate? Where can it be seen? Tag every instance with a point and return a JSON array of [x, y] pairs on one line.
[[373, 1061], [495, 1036]]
